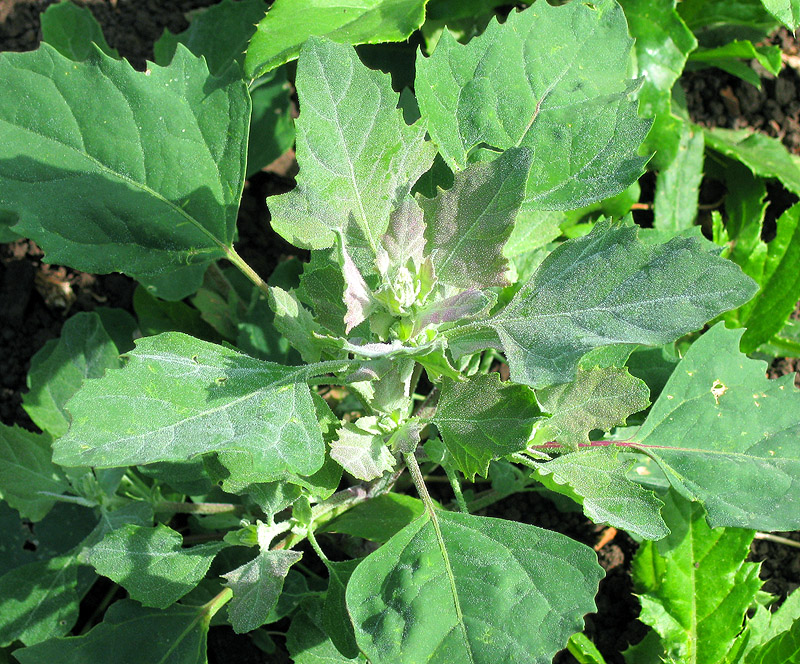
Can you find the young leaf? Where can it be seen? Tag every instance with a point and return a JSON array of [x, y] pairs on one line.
[[26, 471], [607, 288], [151, 564], [425, 594], [220, 33], [357, 156], [565, 95], [289, 23], [256, 587], [482, 419], [73, 31], [362, 454], [596, 479], [178, 397], [694, 585], [467, 225], [131, 634], [722, 432], [598, 398], [295, 322], [84, 351], [86, 185]]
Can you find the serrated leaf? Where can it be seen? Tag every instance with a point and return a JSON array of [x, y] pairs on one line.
[[220, 33], [782, 648], [178, 397], [256, 587], [608, 288], [151, 564], [786, 11], [467, 225], [131, 634], [364, 455], [73, 30], [596, 479], [26, 471], [379, 518], [552, 79], [423, 596], [726, 436], [357, 156], [289, 23], [598, 398], [86, 186], [678, 185], [762, 154], [694, 585], [84, 351], [482, 419]]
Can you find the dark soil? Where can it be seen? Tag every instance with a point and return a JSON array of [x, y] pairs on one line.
[[36, 298]]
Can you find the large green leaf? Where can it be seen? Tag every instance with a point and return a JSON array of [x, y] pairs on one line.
[[694, 585], [178, 397], [151, 564], [26, 470], [467, 225], [378, 518], [552, 79], [786, 11], [83, 351], [608, 288], [289, 23], [307, 641], [596, 479], [726, 436], [131, 634], [598, 398], [357, 156], [220, 33], [256, 587], [73, 31], [453, 587], [482, 419], [145, 181]]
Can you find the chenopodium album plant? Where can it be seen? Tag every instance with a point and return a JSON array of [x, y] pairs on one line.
[[431, 255]]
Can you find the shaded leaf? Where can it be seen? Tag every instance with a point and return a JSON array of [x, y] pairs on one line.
[[423, 595], [151, 564], [377, 519], [729, 58], [335, 618], [308, 643], [295, 322], [73, 31], [678, 185], [271, 125]]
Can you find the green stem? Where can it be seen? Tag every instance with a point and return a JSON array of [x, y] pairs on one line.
[[199, 508], [312, 540], [456, 485], [248, 271], [211, 607]]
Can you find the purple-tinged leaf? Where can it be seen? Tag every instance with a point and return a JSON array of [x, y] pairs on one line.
[[461, 306]]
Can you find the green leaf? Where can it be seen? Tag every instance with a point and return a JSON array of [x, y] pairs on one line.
[[482, 419], [584, 651], [289, 23], [26, 471], [729, 58], [356, 161], [38, 601], [131, 634], [322, 288], [271, 126], [785, 343], [362, 454], [147, 183], [178, 397], [151, 564], [335, 618], [377, 519], [73, 31], [307, 641], [722, 432], [219, 33], [717, 22], [678, 185], [785, 647], [156, 316], [786, 11], [596, 479], [295, 322], [84, 351], [461, 588], [551, 79], [762, 154], [467, 225], [598, 398], [256, 587], [607, 288], [694, 585]]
